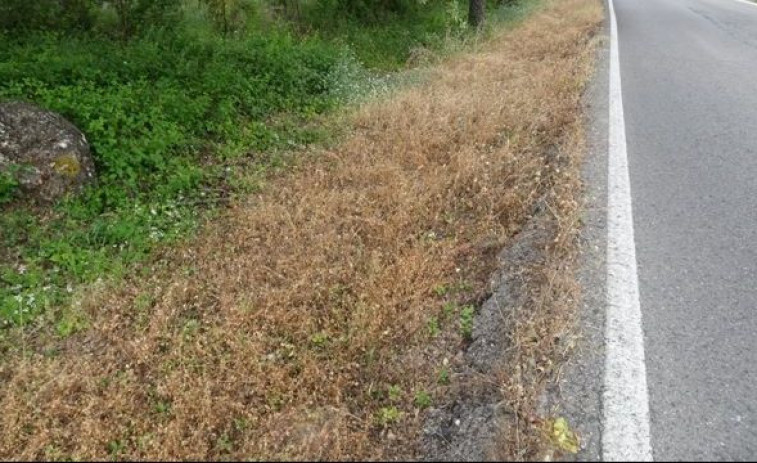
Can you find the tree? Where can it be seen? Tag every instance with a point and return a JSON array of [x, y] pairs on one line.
[[476, 9], [27, 15]]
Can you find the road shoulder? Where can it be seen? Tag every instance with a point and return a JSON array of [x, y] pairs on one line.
[[577, 393]]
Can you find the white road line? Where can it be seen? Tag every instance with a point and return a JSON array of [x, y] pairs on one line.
[[625, 434], [747, 2]]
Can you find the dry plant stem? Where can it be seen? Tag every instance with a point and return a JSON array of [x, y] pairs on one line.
[[278, 333]]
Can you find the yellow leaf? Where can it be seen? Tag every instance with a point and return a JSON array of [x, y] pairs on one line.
[[562, 436]]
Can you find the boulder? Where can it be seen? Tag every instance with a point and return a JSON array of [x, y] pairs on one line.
[[48, 155]]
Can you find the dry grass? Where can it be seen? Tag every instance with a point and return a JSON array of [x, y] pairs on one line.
[[279, 332]]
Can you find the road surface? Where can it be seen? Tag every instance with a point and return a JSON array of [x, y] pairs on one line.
[[689, 86]]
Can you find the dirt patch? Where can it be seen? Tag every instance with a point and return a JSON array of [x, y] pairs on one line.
[[331, 315], [469, 426]]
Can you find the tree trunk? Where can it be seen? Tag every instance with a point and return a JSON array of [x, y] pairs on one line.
[[476, 13], [123, 11]]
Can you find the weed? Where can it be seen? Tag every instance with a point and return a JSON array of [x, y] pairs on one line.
[[224, 443], [319, 339], [190, 328], [441, 290], [162, 407], [8, 186], [449, 289], [241, 424], [433, 327], [143, 302], [449, 308], [394, 393], [388, 415], [443, 376], [274, 401], [116, 448], [422, 399], [376, 394], [466, 322], [103, 382], [70, 322], [462, 287]]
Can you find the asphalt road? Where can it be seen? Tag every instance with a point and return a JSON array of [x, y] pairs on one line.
[[689, 86]]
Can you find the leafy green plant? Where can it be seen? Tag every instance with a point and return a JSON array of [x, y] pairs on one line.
[[319, 339], [422, 399], [449, 308], [433, 327], [224, 444], [241, 424], [162, 407], [441, 290], [388, 415], [116, 448], [70, 322], [443, 377], [466, 322], [8, 186], [394, 392]]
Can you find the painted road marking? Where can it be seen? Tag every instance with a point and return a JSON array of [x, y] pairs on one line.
[[747, 2], [625, 433]]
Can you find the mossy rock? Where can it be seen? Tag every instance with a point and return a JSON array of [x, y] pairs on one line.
[[47, 154]]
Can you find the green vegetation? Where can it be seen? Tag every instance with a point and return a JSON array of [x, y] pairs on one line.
[[116, 447], [180, 101], [443, 377], [385, 35], [422, 399], [8, 185], [388, 415], [394, 393], [466, 322], [433, 327]]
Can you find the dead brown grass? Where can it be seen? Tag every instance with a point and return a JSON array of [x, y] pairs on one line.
[[278, 333]]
